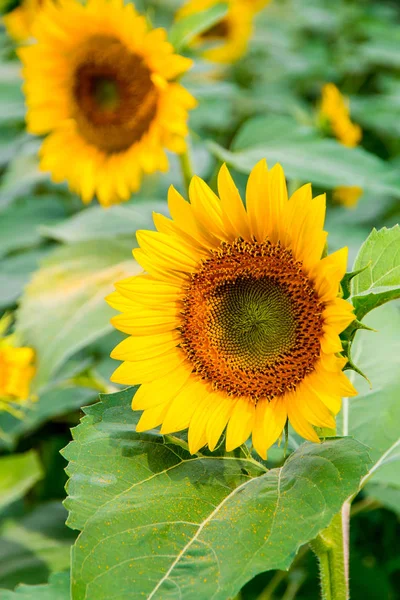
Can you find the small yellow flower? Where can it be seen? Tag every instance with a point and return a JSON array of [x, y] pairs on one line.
[[100, 84], [227, 40], [347, 195], [335, 110], [236, 323], [16, 372], [19, 21]]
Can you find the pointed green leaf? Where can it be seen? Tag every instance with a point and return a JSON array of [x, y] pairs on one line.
[[379, 282], [156, 521]]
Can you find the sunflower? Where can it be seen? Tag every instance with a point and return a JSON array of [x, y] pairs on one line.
[[100, 84], [227, 40], [236, 322], [335, 111], [19, 21], [16, 372]]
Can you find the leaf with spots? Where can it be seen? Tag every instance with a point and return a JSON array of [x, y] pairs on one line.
[[157, 522]]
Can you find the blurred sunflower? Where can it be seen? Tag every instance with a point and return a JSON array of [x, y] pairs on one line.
[[16, 371], [237, 321], [99, 82], [227, 39], [347, 195], [19, 21]]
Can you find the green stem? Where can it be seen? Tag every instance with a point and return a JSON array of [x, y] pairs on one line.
[[186, 168], [332, 549]]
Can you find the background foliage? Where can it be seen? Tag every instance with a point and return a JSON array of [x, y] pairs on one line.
[[58, 261]]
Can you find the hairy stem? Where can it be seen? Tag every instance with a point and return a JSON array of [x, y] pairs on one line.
[[332, 549]]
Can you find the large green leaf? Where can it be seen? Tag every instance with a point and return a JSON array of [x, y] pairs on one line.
[[157, 521], [63, 307], [56, 589], [34, 545], [379, 282], [183, 31], [18, 473], [373, 416], [95, 223], [323, 162]]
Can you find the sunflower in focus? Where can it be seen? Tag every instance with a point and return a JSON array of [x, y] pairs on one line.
[[227, 40], [16, 372], [100, 84], [335, 110], [19, 21], [236, 322]]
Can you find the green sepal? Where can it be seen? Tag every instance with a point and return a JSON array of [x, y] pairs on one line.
[[345, 283], [350, 364], [348, 334]]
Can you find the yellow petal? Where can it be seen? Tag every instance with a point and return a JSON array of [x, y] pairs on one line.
[[149, 346], [163, 250], [197, 437], [297, 420], [183, 406], [257, 200], [145, 371], [233, 210], [163, 389], [158, 271], [276, 202], [207, 208], [313, 410], [240, 424], [330, 341], [269, 422], [152, 417], [219, 417]]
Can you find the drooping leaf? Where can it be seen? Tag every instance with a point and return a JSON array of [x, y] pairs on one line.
[[323, 162], [373, 416], [58, 588], [63, 307], [183, 31], [18, 473], [34, 545], [379, 282], [156, 521]]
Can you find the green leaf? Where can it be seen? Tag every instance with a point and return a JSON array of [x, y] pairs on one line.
[[95, 223], [34, 545], [57, 400], [18, 473], [256, 130], [155, 518], [323, 162], [63, 309], [56, 589], [19, 223], [380, 281], [373, 416], [182, 32], [15, 272]]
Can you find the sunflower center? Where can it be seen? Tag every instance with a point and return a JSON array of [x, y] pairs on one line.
[[252, 320], [218, 31], [114, 98]]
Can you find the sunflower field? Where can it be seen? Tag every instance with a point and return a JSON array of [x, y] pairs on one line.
[[199, 314]]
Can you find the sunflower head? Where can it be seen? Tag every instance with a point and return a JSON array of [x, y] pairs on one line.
[[236, 323], [335, 112], [100, 84], [227, 40], [16, 373]]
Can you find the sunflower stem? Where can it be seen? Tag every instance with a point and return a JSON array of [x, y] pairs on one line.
[[331, 547], [186, 168]]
